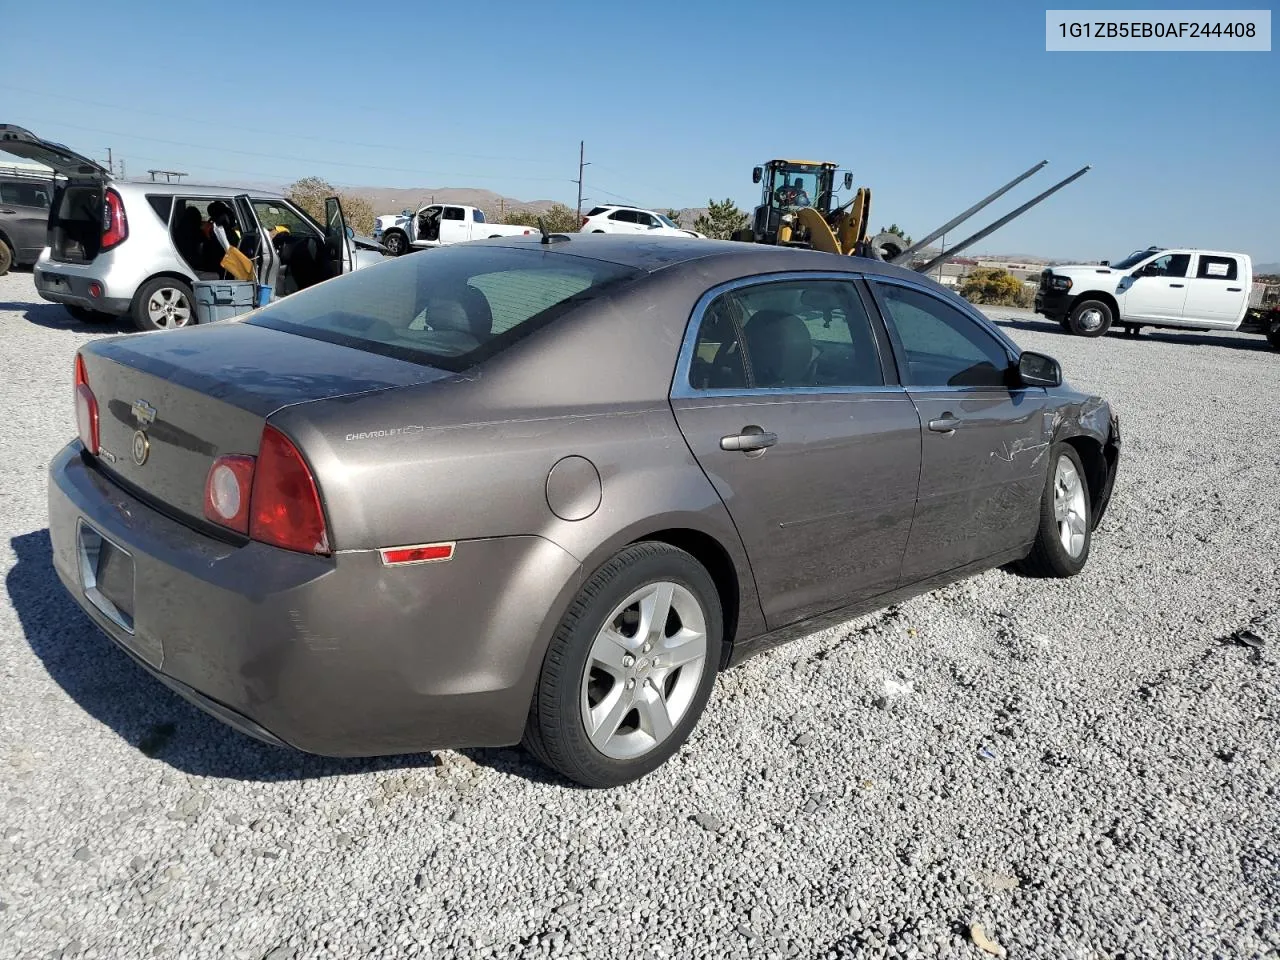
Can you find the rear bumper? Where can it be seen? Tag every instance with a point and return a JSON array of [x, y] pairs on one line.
[[340, 656], [72, 289]]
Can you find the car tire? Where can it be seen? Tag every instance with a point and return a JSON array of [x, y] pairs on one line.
[[1273, 335], [163, 303], [594, 665], [85, 315], [1090, 318], [395, 242], [1065, 531], [6, 258]]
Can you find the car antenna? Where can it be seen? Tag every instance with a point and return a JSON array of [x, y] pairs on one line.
[[548, 237]]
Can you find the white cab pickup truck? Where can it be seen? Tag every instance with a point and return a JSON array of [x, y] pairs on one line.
[[1183, 288], [438, 225]]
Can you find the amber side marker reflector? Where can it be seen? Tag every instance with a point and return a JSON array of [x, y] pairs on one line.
[[421, 553]]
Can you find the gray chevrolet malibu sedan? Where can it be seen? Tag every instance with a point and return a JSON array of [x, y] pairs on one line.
[[543, 491]]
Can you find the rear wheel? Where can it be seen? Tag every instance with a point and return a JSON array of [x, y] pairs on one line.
[[163, 304], [1065, 533], [6, 258], [1273, 335], [629, 669], [85, 315], [1090, 318]]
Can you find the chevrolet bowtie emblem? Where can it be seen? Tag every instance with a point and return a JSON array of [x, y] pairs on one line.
[[144, 413]]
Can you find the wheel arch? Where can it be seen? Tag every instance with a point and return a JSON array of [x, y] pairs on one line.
[[1102, 295], [715, 558], [1096, 468], [164, 275]]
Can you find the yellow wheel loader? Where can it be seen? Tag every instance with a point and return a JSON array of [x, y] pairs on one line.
[[799, 207]]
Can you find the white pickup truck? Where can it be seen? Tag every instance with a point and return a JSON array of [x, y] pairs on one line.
[[438, 225], [1181, 288]]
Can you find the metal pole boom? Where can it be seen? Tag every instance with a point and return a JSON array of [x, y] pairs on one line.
[[951, 224], [987, 231]]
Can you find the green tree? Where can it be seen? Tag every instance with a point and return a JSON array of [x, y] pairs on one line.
[[994, 286], [558, 218], [310, 194], [721, 220], [674, 217], [895, 229]]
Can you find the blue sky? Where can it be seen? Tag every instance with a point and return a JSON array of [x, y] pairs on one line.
[[933, 104]]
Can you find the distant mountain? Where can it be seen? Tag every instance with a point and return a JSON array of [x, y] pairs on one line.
[[1267, 268]]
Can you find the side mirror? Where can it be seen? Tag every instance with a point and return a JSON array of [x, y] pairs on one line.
[[848, 180], [757, 175], [1038, 370], [350, 233], [1104, 263], [655, 226]]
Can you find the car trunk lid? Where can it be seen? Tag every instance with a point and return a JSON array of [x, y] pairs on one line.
[[169, 404], [25, 144]]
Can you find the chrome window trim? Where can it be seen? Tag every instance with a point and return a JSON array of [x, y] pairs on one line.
[[959, 303], [681, 389]]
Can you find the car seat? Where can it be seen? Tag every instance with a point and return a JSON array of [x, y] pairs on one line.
[[779, 349]]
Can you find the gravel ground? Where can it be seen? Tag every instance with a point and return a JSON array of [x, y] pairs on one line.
[[1085, 768]]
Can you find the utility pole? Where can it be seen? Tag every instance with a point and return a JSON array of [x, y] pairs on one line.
[[122, 168], [111, 167], [581, 163]]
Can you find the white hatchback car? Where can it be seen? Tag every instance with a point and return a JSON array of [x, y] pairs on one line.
[[622, 219]]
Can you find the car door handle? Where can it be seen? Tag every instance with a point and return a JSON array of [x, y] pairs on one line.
[[1234, 289], [751, 438], [944, 424], [1177, 284], [8, 211]]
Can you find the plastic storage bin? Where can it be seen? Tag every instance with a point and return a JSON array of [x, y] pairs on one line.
[[223, 299]]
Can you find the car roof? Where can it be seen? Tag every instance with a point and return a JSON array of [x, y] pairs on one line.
[[195, 189], [658, 253]]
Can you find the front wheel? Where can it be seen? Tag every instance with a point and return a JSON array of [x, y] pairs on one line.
[[395, 242], [1273, 335], [1065, 533], [6, 258], [1090, 318], [629, 669]]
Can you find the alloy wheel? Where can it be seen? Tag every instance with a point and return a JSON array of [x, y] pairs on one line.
[[643, 670], [169, 307], [1069, 506]]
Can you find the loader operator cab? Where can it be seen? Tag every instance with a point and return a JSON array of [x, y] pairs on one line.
[[788, 186]]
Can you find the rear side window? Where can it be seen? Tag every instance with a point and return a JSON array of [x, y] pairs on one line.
[[453, 213], [26, 194], [626, 216], [1216, 268], [479, 215], [163, 206], [596, 211], [452, 309]]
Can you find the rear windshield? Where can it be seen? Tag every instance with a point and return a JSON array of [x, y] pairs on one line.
[[449, 308]]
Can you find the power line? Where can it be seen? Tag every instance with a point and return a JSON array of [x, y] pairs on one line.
[[307, 160], [272, 133]]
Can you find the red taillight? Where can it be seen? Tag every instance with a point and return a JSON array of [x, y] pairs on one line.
[[422, 553], [227, 492], [271, 497], [86, 409], [584, 220], [284, 509], [115, 227]]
